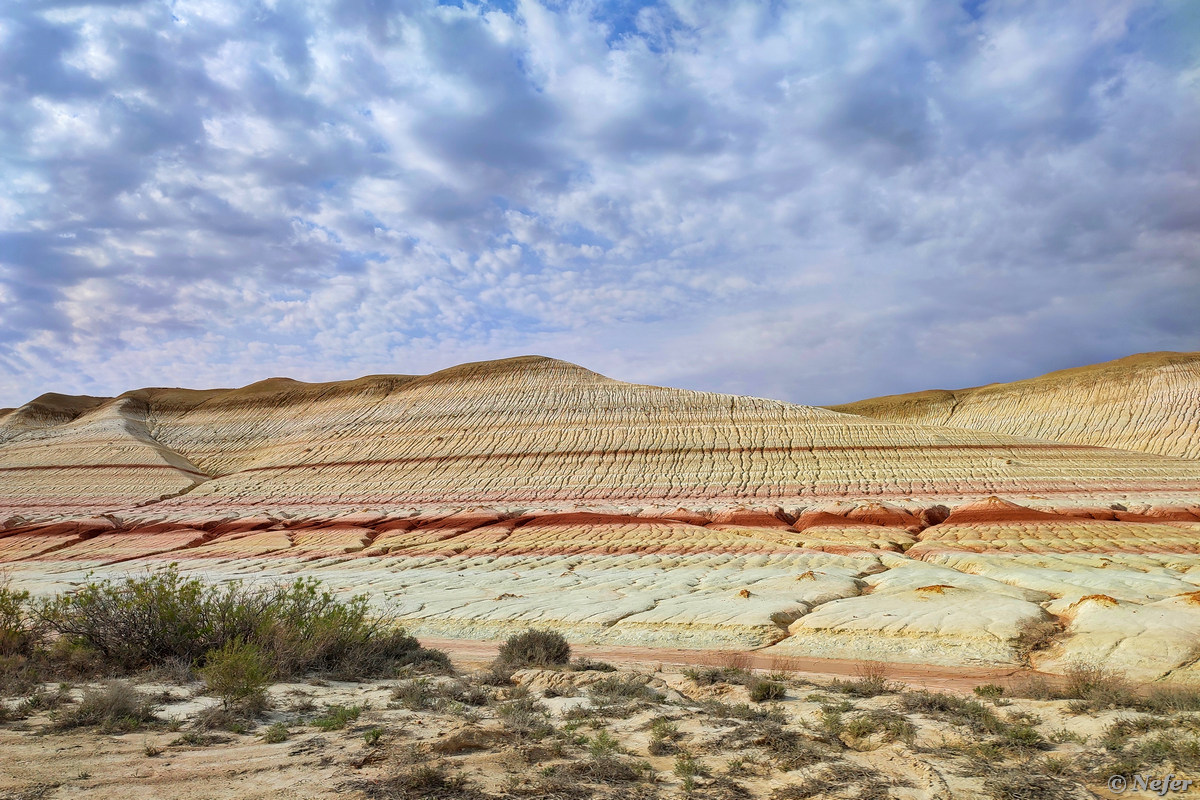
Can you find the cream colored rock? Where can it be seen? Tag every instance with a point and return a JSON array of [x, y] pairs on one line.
[[935, 624], [1145, 642]]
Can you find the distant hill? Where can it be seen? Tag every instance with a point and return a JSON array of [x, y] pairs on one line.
[[1148, 403]]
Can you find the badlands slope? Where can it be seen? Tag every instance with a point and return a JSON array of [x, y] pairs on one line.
[[487, 497], [1149, 403]]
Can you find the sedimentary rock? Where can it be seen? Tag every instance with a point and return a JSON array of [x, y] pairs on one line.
[[1148, 403], [489, 497]]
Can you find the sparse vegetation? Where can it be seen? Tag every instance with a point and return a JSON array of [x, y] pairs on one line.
[[337, 717], [698, 745], [115, 707]]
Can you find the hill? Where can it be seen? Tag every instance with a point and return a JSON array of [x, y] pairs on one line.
[[1148, 403]]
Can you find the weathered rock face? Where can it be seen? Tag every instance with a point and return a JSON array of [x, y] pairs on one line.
[[516, 433], [1148, 403], [489, 497]]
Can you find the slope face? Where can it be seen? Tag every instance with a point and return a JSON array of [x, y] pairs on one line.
[[1148, 403], [104, 458], [543, 432], [536, 431]]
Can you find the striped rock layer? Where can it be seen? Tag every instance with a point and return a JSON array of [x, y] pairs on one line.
[[1149, 403], [486, 498]]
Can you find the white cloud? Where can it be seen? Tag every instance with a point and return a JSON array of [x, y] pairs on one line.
[[814, 201]]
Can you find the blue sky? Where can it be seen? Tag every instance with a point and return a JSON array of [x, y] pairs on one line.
[[816, 201]]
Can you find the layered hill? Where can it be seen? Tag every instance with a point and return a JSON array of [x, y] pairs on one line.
[[1149, 403], [481, 499], [515, 433]]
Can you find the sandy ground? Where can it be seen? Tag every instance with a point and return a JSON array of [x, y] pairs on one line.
[[177, 758], [474, 652]]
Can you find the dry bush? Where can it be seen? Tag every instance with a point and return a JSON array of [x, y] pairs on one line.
[[1035, 635], [1173, 698], [736, 660], [421, 782], [534, 648], [892, 725], [525, 718], [870, 680], [834, 779], [115, 707], [788, 749], [606, 770], [1097, 686], [715, 709], [785, 664], [615, 688], [1022, 783]]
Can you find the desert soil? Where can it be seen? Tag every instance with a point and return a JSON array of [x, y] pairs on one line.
[[543, 735]]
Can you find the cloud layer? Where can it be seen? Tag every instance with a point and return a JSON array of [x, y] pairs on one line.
[[813, 201]]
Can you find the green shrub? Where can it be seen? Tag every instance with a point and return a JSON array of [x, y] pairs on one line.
[[953, 709], [162, 617], [238, 673], [20, 633], [603, 745], [712, 676], [275, 734], [337, 717], [762, 690], [534, 648], [620, 687]]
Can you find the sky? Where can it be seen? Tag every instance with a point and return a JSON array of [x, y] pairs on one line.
[[812, 201]]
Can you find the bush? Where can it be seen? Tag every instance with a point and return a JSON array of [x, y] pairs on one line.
[[534, 648], [275, 734], [116, 707], [20, 634], [1035, 635], [238, 673], [762, 689], [1097, 686], [712, 676], [163, 617], [423, 781], [615, 688], [953, 709]]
